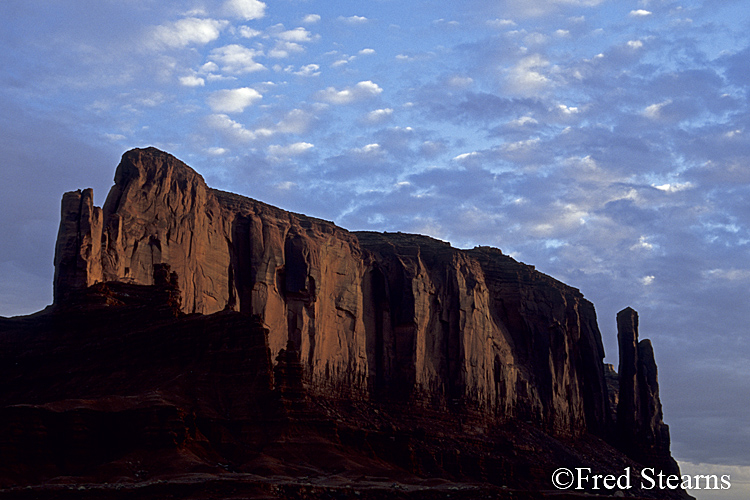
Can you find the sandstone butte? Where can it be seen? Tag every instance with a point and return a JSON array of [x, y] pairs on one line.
[[202, 344]]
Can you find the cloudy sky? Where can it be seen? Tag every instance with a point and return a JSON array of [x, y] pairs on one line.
[[604, 141]]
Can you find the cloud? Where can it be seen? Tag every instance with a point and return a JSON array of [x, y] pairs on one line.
[[353, 19], [188, 31], [236, 59], [366, 52], [296, 149], [296, 121], [297, 35], [308, 70], [311, 19], [233, 100], [378, 115], [635, 44], [361, 91], [527, 77], [234, 130], [246, 9], [654, 111], [192, 81], [640, 13]]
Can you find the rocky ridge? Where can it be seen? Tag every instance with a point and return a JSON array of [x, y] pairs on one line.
[[343, 325]]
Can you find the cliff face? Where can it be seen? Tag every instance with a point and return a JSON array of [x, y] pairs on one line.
[[401, 315]]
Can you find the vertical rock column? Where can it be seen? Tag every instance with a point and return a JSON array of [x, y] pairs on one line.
[[79, 241], [642, 433]]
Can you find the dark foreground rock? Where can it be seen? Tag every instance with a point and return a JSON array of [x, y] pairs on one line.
[[205, 345]]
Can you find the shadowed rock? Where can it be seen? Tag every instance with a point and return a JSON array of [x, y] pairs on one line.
[[222, 334]]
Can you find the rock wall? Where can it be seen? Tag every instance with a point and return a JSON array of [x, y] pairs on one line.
[[382, 315]]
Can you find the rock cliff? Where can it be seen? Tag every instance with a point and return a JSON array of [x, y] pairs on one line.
[[396, 314], [398, 348]]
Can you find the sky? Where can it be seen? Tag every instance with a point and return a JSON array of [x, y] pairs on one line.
[[606, 142]]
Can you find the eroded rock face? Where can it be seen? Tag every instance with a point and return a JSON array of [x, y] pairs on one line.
[[641, 429], [384, 315]]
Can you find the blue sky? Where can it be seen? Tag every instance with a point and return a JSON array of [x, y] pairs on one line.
[[605, 142]]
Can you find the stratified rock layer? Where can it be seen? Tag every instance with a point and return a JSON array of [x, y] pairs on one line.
[[402, 315]]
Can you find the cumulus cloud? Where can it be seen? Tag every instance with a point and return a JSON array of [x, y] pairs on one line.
[[640, 13], [311, 19], [362, 90], [246, 9], [192, 81], [188, 31], [527, 77], [235, 131], [233, 100], [236, 59], [378, 115], [295, 149], [308, 70]]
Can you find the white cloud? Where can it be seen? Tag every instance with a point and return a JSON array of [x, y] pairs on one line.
[[500, 23], [234, 130], [654, 110], [466, 156], [643, 244], [192, 81], [360, 91], [727, 274], [297, 121], [296, 149], [673, 188], [188, 31], [284, 49], [379, 115], [308, 70], [366, 52], [216, 151], [369, 149], [236, 59], [299, 35], [635, 44], [246, 9], [246, 32], [233, 100], [640, 13], [353, 19], [526, 77], [647, 280], [523, 121], [311, 19], [460, 82]]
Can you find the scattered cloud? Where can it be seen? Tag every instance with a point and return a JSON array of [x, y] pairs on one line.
[[362, 90], [353, 19], [236, 59], [311, 19], [192, 81], [246, 9], [188, 31], [379, 115], [640, 13], [296, 149], [233, 100]]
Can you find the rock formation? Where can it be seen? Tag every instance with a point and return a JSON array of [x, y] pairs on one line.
[[260, 328], [641, 429], [398, 314]]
